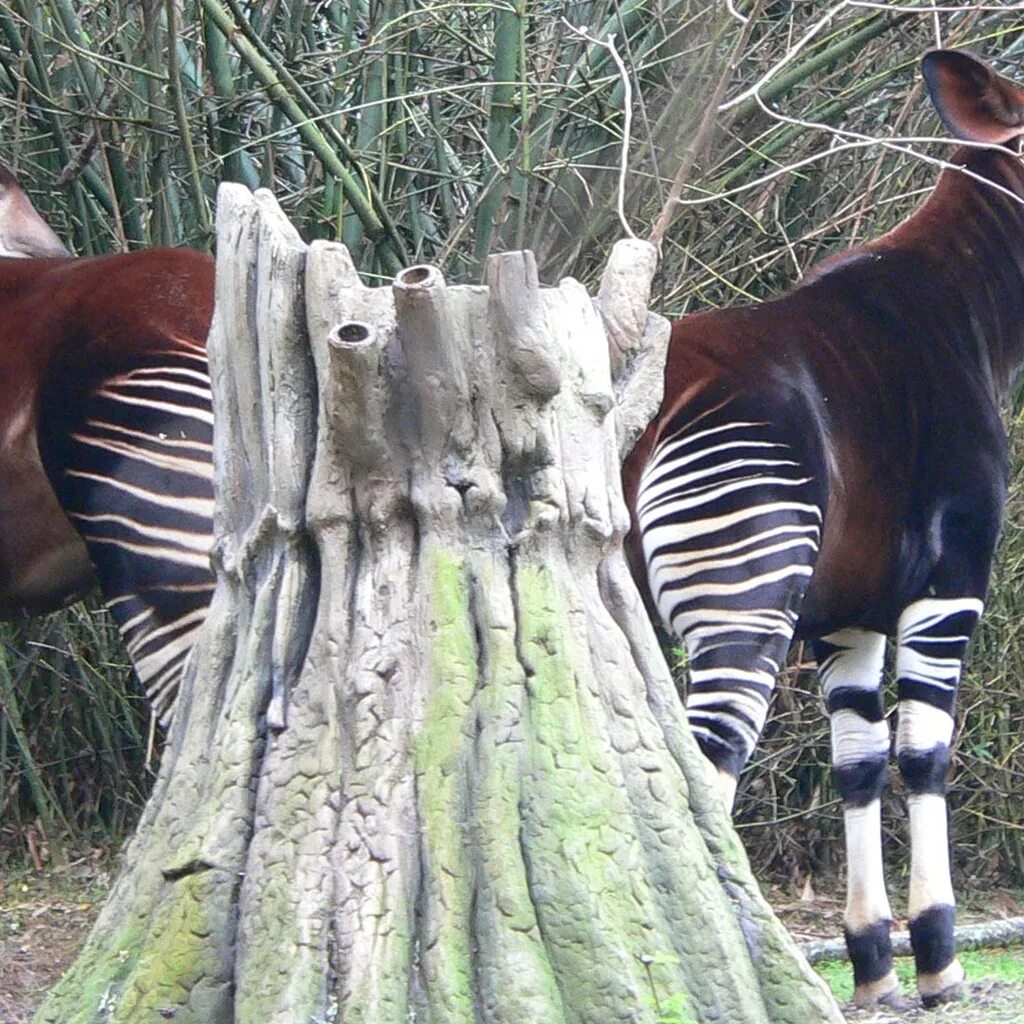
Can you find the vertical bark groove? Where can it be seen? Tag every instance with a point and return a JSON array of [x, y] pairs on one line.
[[429, 764]]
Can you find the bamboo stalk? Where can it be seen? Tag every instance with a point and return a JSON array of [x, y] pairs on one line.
[[228, 130], [501, 117], [123, 192], [50, 813], [381, 231], [199, 199], [827, 57], [37, 80], [369, 132]]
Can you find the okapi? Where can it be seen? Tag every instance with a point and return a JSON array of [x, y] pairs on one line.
[[831, 465], [106, 437]]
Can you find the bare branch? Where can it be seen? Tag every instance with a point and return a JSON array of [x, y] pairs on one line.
[[705, 130], [879, 5], [897, 145], [731, 8], [808, 37], [627, 116]]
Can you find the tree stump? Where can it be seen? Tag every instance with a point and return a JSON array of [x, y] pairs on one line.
[[428, 763]]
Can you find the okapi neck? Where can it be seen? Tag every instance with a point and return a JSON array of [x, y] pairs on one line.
[[969, 234]]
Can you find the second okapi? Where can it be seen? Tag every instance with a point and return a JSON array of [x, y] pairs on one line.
[[106, 437], [832, 465]]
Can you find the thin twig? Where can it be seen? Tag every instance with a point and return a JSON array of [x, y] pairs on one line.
[[705, 131], [878, 5], [899, 145], [791, 54], [731, 8]]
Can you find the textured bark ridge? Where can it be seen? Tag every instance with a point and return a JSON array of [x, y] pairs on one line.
[[429, 765]]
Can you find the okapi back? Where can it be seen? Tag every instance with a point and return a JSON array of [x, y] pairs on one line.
[[896, 358]]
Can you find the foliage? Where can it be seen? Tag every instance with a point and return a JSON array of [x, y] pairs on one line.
[[75, 751], [438, 131], [434, 131]]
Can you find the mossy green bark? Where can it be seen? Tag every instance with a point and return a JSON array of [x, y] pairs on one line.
[[559, 867], [440, 758], [136, 979], [585, 865]]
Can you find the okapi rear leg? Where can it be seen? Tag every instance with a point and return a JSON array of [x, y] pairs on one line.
[[850, 664], [932, 636], [734, 662]]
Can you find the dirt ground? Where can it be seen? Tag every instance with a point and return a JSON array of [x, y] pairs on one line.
[[44, 919]]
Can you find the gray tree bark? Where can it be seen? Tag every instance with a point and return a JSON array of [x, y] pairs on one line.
[[429, 764]]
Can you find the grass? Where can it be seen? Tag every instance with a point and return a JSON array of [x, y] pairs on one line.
[[979, 965]]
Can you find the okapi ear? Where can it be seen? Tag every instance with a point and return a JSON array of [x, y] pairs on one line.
[[975, 103], [23, 232]]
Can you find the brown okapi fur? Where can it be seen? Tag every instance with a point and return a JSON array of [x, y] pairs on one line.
[[67, 325]]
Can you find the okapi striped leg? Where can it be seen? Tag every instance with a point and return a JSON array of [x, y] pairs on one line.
[[734, 662], [731, 522], [932, 636], [850, 664]]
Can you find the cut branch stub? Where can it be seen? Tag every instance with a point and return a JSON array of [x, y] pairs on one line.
[[476, 799], [517, 313], [356, 350]]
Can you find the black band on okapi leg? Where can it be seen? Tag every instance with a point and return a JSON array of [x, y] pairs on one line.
[[723, 747], [870, 952], [925, 771], [861, 782], [867, 703], [931, 936]]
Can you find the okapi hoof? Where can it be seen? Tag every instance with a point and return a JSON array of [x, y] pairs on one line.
[[883, 992], [950, 994], [945, 986]]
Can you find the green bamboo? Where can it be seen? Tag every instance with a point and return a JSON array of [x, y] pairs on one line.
[[51, 817], [37, 80], [500, 121], [343, 18], [382, 233], [122, 191], [369, 133], [161, 225], [785, 134], [228, 125], [827, 57], [199, 200]]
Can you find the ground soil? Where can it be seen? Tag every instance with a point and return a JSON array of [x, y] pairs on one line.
[[983, 1002], [45, 917]]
